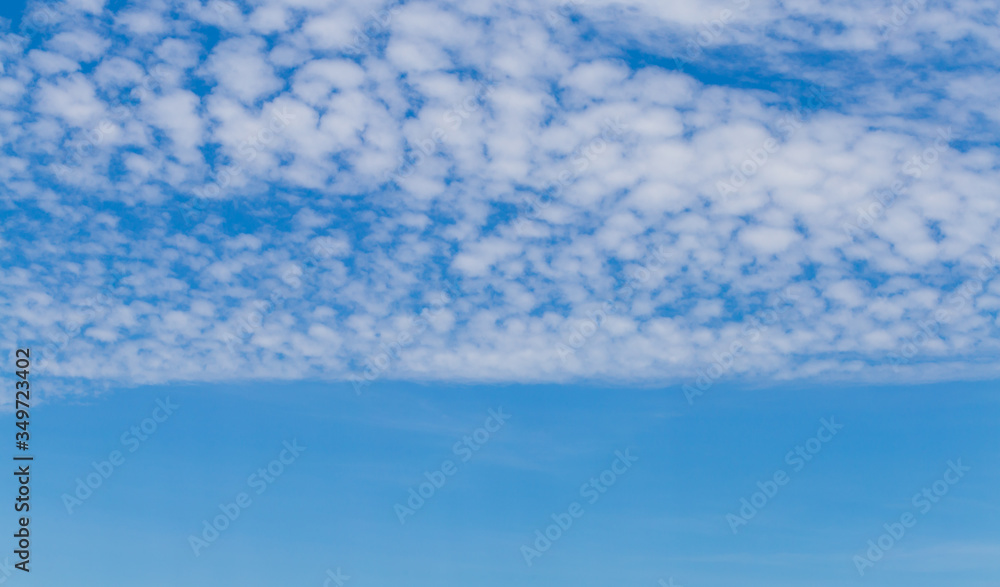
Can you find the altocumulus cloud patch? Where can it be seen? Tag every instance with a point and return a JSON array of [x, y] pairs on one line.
[[214, 191]]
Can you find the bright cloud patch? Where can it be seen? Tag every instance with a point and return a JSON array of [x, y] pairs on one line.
[[502, 191]]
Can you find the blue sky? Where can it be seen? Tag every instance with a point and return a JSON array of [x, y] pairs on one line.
[[663, 517], [690, 229]]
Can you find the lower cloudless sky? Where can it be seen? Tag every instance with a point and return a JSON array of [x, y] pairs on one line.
[[330, 513]]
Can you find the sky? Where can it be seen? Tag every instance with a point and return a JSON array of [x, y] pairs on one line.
[[700, 230], [664, 517]]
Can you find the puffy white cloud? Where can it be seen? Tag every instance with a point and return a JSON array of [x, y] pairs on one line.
[[240, 69], [80, 44], [503, 191]]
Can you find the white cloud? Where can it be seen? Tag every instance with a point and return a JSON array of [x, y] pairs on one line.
[[515, 162], [240, 68], [80, 44]]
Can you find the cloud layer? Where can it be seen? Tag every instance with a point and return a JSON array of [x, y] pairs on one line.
[[640, 192]]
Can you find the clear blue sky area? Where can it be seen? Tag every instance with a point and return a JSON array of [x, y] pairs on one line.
[[661, 516]]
